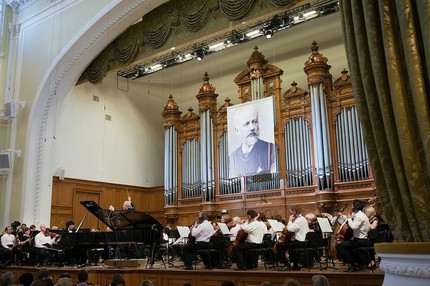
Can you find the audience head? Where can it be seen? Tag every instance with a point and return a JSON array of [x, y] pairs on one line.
[[82, 275], [44, 274], [7, 278], [39, 282], [26, 278], [65, 281], [291, 282], [228, 283], [117, 280], [65, 274], [266, 283], [146, 283], [320, 280]]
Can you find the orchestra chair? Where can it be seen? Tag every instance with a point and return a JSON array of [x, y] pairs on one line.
[[307, 254], [252, 255], [212, 252], [321, 246], [268, 256], [369, 250]]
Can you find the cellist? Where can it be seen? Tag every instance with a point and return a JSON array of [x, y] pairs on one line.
[[298, 225], [255, 231], [202, 231], [359, 223]]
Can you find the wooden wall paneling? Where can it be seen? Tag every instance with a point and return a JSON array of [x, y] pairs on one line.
[[67, 194], [80, 212]]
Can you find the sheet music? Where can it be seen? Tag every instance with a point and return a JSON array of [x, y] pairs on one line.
[[224, 229], [324, 224], [276, 225], [184, 231]]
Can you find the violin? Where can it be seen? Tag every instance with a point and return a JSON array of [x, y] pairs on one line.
[[53, 235]]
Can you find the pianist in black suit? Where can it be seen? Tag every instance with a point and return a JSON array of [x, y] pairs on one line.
[[70, 226], [74, 255]]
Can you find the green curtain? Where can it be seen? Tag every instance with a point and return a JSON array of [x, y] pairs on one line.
[[388, 48]]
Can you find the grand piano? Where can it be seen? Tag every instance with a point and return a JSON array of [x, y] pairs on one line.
[[128, 228]]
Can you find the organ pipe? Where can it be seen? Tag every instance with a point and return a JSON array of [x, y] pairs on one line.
[[352, 162], [321, 138]]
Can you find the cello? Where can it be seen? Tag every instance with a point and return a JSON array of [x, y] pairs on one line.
[[285, 236], [340, 233], [240, 237]]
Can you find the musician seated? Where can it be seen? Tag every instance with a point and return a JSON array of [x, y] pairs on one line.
[[44, 242], [298, 227], [254, 230], [70, 226], [25, 244], [8, 243], [337, 217], [201, 231], [235, 225], [359, 223]]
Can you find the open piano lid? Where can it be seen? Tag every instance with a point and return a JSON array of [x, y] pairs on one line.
[[118, 220]]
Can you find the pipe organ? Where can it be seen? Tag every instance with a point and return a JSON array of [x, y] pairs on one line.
[[321, 155]]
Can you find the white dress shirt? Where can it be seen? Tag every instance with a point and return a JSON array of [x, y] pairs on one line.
[[300, 228], [40, 239], [7, 240], [255, 230], [234, 231], [359, 224], [203, 232]]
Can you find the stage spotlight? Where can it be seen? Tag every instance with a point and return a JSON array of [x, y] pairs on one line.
[[199, 54], [268, 33]]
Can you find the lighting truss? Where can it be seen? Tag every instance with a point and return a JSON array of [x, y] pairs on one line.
[[266, 28]]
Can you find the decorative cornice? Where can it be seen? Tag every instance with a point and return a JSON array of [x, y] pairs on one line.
[[401, 267], [14, 30], [17, 4]]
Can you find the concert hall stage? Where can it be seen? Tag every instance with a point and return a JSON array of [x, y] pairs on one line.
[[173, 276]]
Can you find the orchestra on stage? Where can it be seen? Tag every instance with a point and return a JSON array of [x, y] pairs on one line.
[[221, 241]]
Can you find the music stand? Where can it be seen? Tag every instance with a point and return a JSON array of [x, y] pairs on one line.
[[326, 230]]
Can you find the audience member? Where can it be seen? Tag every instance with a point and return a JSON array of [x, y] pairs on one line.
[[320, 280], [117, 280], [146, 283], [38, 282], [291, 282], [266, 283], [65, 281], [82, 276], [45, 276], [7, 278], [26, 278], [228, 283]]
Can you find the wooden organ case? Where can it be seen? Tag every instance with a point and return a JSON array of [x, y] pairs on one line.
[[321, 157]]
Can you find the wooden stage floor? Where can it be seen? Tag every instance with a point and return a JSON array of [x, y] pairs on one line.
[[174, 275]]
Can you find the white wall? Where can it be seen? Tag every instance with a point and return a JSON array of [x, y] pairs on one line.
[[125, 150], [130, 148]]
